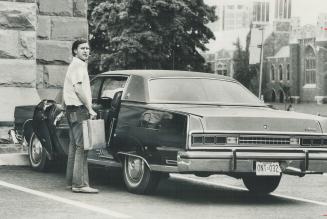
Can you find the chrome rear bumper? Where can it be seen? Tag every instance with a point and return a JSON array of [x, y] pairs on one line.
[[239, 160]]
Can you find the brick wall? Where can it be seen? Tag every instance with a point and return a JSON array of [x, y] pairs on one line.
[[59, 22]]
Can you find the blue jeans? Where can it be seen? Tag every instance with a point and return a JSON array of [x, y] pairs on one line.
[[77, 174]]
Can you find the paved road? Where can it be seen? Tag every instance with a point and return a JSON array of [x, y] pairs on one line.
[[28, 194]]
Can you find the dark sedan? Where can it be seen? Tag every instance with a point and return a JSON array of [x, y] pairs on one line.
[[159, 122]]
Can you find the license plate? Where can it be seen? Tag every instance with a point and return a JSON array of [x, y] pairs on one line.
[[267, 169]]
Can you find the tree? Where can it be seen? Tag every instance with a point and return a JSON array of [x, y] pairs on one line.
[[243, 72], [149, 34]]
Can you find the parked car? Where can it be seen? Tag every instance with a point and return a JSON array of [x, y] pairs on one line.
[[159, 121]]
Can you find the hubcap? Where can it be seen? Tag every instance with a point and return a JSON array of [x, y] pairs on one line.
[[135, 168], [36, 150]]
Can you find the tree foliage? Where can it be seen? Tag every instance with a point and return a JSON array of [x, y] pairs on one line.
[[149, 34], [243, 71]]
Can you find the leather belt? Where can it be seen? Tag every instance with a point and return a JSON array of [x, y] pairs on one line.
[[73, 107]]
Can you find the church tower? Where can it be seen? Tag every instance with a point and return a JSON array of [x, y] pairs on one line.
[[283, 9]]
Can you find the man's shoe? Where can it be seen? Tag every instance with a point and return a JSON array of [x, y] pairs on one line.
[[85, 189]]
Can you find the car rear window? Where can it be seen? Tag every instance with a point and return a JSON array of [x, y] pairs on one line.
[[200, 90]]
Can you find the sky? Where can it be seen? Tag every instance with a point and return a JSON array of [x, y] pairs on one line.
[[307, 10]]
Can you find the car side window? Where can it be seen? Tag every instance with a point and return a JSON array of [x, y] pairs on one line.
[[112, 85], [95, 88]]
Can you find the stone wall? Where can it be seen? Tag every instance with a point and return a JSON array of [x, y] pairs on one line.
[[278, 85], [35, 49], [17, 56], [295, 69], [59, 22]]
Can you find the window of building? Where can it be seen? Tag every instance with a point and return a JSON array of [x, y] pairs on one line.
[[221, 69], [267, 11], [288, 73], [289, 9], [261, 11], [273, 96], [272, 73], [285, 9], [280, 10], [310, 66], [281, 96], [258, 8], [280, 72]]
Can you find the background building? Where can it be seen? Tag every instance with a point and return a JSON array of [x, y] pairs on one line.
[[299, 70], [261, 12], [232, 15], [283, 9], [35, 49]]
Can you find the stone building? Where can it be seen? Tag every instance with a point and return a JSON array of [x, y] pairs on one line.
[[35, 49], [220, 62], [232, 15], [279, 77], [299, 70]]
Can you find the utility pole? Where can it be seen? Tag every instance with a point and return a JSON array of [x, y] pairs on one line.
[[261, 62]]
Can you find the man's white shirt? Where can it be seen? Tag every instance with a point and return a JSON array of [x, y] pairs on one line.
[[76, 73]]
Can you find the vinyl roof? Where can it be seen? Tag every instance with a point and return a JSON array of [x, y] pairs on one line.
[[165, 73]]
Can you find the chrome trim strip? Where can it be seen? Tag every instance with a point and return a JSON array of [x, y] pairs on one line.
[[258, 147], [105, 162], [134, 155], [166, 148], [255, 154], [162, 168], [171, 162], [260, 133], [188, 134]]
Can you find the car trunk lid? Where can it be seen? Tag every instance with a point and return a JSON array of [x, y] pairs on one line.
[[252, 119]]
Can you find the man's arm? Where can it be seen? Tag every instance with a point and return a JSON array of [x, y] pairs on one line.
[[81, 95]]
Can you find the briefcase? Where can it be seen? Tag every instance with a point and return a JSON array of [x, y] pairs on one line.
[[94, 134]]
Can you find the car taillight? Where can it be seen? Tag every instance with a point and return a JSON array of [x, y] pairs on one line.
[[313, 141], [211, 140]]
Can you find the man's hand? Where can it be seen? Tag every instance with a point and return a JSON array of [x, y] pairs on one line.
[[93, 114]]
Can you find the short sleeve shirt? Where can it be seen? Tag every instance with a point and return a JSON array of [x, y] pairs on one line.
[[76, 73]]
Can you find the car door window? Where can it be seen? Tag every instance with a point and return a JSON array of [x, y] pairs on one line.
[[95, 88], [112, 85]]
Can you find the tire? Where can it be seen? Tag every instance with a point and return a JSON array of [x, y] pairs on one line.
[[261, 185], [137, 176], [37, 156]]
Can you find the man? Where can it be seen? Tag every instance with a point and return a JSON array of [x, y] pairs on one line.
[[78, 101]]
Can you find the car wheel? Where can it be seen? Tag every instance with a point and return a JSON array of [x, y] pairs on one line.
[[37, 155], [137, 176], [261, 184]]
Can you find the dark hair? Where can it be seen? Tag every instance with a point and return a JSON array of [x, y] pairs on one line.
[[76, 44]]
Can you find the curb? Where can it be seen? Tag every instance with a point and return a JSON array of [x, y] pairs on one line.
[[14, 159], [12, 148], [13, 155]]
